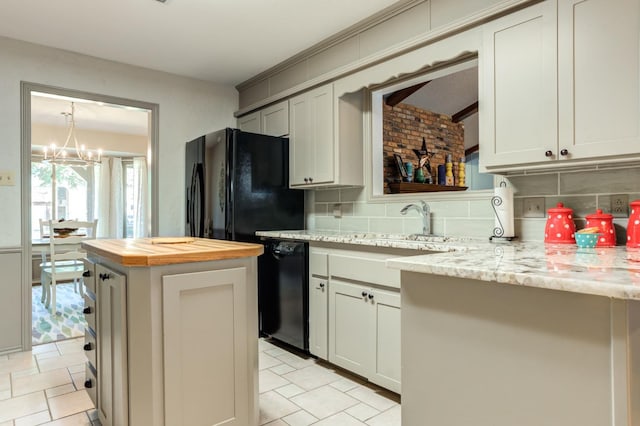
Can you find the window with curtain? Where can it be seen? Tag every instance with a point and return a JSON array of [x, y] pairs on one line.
[[67, 195]]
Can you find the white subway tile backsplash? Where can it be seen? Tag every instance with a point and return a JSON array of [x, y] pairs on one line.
[[321, 209], [353, 194], [468, 228], [546, 184], [581, 205], [371, 210], [328, 223], [530, 229], [327, 196], [601, 182], [354, 224], [481, 209], [386, 225]]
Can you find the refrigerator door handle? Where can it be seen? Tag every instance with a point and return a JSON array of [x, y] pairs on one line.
[[200, 187]]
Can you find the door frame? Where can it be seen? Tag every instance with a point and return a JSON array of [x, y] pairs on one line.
[[25, 196]]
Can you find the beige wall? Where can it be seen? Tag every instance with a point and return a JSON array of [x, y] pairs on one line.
[[110, 142]]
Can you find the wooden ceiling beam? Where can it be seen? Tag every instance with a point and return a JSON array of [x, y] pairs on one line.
[[465, 112], [396, 97]]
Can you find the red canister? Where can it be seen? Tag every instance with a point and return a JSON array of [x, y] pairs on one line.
[[604, 223], [560, 228], [633, 227]]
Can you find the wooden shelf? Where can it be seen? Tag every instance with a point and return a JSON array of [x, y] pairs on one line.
[[409, 187]]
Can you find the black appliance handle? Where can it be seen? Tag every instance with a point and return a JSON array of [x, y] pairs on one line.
[[190, 217], [199, 179]]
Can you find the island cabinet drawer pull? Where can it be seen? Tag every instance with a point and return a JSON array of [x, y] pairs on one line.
[[87, 310], [88, 347], [105, 277], [86, 273], [88, 383]]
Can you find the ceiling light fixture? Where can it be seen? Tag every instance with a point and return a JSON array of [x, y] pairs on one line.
[[66, 154]]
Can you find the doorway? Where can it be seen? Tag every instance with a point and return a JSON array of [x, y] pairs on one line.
[[71, 140]]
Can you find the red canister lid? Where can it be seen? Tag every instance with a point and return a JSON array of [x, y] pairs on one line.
[[598, 215], [560, 208]]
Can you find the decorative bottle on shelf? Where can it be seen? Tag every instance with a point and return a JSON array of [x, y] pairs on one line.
[[461, 172], [449, 171]]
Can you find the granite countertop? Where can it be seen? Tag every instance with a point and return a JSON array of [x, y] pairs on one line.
[[611, 272], [412, 242], [167, 251]]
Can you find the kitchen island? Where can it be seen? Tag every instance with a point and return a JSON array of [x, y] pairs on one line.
[[174, 337], [521, 334]]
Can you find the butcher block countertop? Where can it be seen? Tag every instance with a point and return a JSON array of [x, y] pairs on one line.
[[146, 252]]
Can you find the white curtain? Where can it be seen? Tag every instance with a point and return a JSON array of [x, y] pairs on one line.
[[140, 194], [109, 198]]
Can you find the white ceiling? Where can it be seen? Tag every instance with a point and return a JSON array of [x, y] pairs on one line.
[[223, 41]]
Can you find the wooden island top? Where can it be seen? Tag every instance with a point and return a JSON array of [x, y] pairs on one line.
[[146, 252]]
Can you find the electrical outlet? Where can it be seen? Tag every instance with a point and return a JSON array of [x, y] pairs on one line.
[[619, 205], [7, 178], [337, 211], [533, 207]]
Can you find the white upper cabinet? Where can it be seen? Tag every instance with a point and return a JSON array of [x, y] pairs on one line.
[[272, 120], [518, 102], [561, 85], [326, 137], [599, 77]]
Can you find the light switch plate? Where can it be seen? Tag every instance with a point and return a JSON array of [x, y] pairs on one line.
[[533, 207], [7, 178]]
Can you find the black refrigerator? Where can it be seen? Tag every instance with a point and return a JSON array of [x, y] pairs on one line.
[[237, 183]]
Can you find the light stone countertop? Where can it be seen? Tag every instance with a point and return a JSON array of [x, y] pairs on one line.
[[611, 272]]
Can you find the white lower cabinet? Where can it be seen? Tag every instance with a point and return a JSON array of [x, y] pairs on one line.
[[318, 306], [364, 330]]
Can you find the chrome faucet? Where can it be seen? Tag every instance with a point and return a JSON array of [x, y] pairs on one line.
[[424, 211]]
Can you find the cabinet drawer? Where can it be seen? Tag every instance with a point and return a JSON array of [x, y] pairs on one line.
[[90, 311], [89, 276], [91, 384], [90, 346], [366, 268], [318, 262]]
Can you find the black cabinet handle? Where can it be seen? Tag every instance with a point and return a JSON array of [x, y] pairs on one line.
[[321, 285], [364, 294], [87, 310], [88, 347], [310, 180], [86, 273], [564, 152], [548, 154], [104, 277], [306, 180], [88, 384], [370, 296]]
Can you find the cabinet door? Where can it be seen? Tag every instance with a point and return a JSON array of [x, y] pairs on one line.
[[299, 141], [350, 327], [323, 147], [318, 298], [275, 119], [599, 77], [250, 123], [111, 339], [518, 98], [386, 368], [205, 324]]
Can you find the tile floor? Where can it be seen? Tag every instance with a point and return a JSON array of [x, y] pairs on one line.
[[45, 387], [300, 391]]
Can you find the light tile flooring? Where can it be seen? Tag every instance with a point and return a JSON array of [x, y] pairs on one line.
[[300, 391], [45, 386]]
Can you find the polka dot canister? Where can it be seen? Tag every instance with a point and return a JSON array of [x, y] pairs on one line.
[[560, 228], [633, 226]]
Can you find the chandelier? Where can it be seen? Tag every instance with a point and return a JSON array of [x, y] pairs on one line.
[[71, 154]]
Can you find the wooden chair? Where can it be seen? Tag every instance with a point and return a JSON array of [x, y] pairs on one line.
[[65, 257]]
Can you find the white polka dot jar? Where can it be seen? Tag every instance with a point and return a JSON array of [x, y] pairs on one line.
[[633, 227], [560, 228], [604, 223]]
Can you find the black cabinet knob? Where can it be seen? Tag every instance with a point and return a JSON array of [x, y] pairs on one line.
[[104, 277], [310, 180], [364, 294], [86, 273], [87, 310], [548, 154], [88, 383], [88, 347], [564, 152], [321, 285], [306, 180], [370, 296]]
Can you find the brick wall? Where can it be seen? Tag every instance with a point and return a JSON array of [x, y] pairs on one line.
[[404, 126]]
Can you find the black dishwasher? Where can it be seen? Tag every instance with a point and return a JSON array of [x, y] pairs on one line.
[[283, 292]]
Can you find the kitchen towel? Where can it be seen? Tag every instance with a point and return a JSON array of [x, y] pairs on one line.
[[504, 210]]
